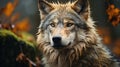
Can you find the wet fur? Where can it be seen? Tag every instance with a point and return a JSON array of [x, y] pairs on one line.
[[88, 51]]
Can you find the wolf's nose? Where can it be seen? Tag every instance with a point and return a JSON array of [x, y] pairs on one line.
[[57, 42], [56, 39]]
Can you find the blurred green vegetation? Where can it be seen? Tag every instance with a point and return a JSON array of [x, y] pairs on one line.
[[11, 46]]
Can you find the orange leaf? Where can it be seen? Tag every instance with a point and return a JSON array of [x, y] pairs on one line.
[[23, 25], [113, 15], [8, 10]]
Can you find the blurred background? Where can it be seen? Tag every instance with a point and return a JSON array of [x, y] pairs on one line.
[[23, 16], [17, 11]]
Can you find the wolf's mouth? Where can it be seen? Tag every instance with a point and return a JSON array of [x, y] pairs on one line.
[[60, 46], [69, 43]]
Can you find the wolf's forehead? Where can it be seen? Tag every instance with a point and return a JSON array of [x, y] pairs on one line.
[[63, 11], [63, 20], [61, 15], [61, 5]]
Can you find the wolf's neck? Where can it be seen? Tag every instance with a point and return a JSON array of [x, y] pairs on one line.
[[71, 58], [60, 61], [66, 58]]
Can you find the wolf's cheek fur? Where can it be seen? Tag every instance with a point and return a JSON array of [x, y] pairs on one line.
[[70, 39]]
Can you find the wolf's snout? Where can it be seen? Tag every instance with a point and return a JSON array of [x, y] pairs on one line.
[[57, 42], [56, 39]]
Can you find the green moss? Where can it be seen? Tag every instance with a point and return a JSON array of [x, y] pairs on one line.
[[11, 46], [5, 33]]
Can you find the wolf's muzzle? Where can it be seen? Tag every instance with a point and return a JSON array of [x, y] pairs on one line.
[[57, 42]]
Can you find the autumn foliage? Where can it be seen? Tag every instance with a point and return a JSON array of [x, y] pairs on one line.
[[10, 7], [113, 14], [10, 19]]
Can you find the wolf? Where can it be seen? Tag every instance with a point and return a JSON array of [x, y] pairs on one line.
[[67, 36]]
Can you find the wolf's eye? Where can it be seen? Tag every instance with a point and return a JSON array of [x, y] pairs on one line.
[[52, 25], [69, 24]]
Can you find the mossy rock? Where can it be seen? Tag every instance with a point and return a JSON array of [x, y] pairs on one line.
[[11, 46]]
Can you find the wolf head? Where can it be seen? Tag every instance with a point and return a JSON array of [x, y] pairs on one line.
[[64, 25]]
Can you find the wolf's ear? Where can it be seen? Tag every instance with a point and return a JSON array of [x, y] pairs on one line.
[[44, 8], [82, 8]]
